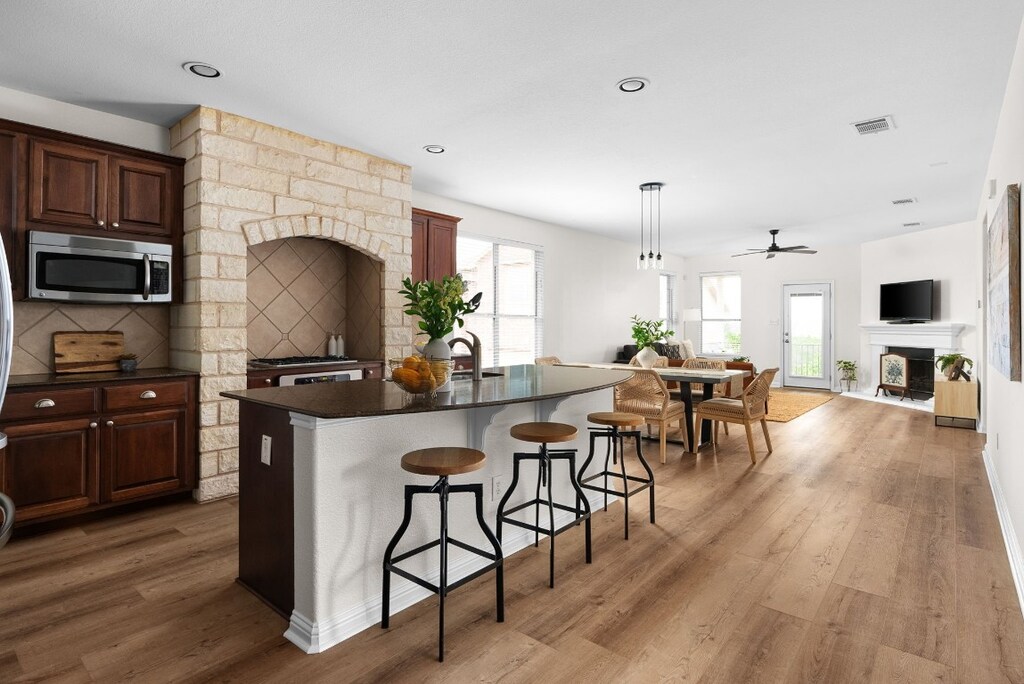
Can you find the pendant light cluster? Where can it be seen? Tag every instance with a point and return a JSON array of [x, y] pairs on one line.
[[650, 260]]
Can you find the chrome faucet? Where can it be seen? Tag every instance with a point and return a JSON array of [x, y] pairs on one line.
[[474, 350]]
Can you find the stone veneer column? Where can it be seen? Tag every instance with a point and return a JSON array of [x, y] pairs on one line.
[[248, 182]]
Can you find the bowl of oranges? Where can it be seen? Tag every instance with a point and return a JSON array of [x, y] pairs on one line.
[[420, 375]]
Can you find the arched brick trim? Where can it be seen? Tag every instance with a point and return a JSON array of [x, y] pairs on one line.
[[312, 225]]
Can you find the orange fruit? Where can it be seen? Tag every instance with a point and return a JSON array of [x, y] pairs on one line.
[[411, 362], [407, 378]]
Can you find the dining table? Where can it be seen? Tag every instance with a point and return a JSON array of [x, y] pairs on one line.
[[708, 378]]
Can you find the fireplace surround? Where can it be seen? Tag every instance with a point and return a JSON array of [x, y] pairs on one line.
[[919, 341]]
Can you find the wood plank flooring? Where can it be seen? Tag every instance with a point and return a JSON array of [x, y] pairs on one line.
[[865, 549]]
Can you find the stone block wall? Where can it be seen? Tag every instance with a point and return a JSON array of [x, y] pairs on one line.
[[248, 182]]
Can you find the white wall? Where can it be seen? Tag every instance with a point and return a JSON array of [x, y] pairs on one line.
[[762, 281], [950, 255], [1003, 401], [591, 285], [41, 111]]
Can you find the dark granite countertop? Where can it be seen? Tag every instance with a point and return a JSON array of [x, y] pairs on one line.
[[50, 379], [378, 398]]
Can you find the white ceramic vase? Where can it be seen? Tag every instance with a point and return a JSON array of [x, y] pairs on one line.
[[646, 357], [438, 349]]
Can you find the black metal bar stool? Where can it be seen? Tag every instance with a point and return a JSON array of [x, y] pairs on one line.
[[442, 462], [544, 434], [613, 422]]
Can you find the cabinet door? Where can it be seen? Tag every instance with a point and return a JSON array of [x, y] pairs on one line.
[[141, 197], [419, 247], [441, 248], [67, 185], [51, 467], [143, 453], [10, 146]]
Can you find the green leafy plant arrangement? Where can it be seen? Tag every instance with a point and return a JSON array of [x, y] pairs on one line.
[[944, 361], [440, 305], [847, 368], [648, 333], [741, 359]]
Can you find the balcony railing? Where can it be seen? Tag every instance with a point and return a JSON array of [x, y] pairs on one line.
[[805, 360]]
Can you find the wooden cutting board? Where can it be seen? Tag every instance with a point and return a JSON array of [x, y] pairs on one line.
[[87, 352]]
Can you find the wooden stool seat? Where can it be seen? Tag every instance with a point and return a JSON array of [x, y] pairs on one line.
[[616, 419], [443, 461], [544, 433]]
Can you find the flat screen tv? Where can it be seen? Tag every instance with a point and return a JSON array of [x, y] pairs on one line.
[[906, 302]]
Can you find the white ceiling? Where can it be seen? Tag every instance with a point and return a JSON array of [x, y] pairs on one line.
[[747, 118]]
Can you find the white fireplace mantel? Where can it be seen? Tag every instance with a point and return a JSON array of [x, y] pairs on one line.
[[943, 337]]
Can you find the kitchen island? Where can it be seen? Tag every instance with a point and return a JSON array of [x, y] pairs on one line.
[[320, 486]]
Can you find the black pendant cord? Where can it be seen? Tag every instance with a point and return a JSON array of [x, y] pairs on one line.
[[650, 229], [659, 225]]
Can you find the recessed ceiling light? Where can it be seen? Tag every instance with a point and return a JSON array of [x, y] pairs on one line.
[[434, 149], [201, 69], [633, 84]]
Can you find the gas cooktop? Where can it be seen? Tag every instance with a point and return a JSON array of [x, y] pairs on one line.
[[299, 361]]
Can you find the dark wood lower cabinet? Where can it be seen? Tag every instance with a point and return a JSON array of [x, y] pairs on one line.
[[69, 451], [52, 467]]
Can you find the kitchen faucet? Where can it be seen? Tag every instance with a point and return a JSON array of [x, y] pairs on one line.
[[474, 350]]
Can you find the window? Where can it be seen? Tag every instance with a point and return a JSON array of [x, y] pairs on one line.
[[667, 301], [510, 275], [720, 313]]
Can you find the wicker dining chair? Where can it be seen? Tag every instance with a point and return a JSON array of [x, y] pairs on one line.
[[748, 408], [547, 361], [645, 394], [722, 389]]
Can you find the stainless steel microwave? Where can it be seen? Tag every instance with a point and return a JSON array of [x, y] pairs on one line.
[[79, 268]]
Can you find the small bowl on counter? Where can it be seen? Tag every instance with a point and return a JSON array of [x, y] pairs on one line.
[[420, 375]]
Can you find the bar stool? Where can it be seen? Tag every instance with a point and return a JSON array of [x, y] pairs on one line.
[[614, 421], [544, 434], [442, 462]]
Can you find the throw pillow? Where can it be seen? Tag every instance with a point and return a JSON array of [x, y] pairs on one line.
[[687, 350], [672, 351]]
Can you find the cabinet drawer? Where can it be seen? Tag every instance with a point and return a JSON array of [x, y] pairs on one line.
[[373, 372], [47, 404], [145, 395]]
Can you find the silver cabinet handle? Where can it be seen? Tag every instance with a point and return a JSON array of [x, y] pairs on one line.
[[46, 403], [267, 381], [148, 394], [114, 225], [92, 425], [110, 423], [101, 223]]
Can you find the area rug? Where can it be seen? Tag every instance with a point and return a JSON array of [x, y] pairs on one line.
[[784, 404]]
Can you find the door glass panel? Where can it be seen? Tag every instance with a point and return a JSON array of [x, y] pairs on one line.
[[807, 322]]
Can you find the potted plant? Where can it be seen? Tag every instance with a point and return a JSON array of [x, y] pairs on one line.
[[646, 334], [951, 365], [741, 359], [128, 363], [848, 372], [440, 305]]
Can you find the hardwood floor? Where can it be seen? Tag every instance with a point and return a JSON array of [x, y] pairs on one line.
[[866, 548]]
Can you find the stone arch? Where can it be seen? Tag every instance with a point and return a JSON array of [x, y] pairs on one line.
[[313, 225]]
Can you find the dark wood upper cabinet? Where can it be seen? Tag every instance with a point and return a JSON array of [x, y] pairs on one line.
[[67, 185], [433, 244], [12, 146], [141, 197]]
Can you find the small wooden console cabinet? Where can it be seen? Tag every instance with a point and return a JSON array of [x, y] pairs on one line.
[[956, 403]]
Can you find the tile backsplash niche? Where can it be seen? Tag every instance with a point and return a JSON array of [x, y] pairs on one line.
[[300, 290], [145, 328]]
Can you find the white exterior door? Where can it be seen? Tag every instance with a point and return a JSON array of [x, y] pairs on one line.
[[807, 335]]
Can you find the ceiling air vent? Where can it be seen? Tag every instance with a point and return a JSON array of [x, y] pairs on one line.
[[912, 225], [905, 200], [871, 126]]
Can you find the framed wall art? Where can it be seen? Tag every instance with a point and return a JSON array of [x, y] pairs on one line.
[[1003, 272]]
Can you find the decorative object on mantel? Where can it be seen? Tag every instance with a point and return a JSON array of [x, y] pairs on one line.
[[646, 333], [847, 371], [129, 363], [894, 373], [440, 305], [1003, 275], [649, 260], [952, 366], [87, 352]]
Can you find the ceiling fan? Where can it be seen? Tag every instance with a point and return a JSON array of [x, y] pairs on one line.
[[774, 249]]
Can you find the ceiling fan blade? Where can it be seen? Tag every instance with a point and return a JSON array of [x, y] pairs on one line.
[[793, 248], [759, 251], [802, 251], [771, 255]]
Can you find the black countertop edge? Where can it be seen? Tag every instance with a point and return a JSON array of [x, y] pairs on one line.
[[51, 379], [365, 398]]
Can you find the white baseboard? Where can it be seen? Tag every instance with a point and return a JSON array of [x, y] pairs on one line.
[[316, 637], [1010, 539]]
